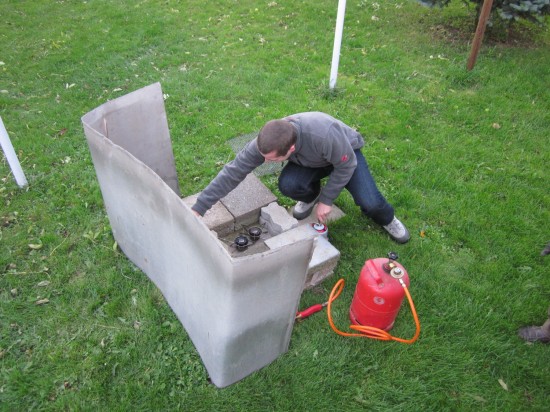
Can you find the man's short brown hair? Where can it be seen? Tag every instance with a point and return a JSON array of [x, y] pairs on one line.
[[276, 135]]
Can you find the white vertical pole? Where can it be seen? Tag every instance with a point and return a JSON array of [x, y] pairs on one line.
[[7, 147], [337, 42]]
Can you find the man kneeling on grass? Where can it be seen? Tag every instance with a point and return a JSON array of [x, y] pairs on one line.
[[316, 145]]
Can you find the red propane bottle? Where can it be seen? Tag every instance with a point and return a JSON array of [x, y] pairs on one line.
[[379, 293]]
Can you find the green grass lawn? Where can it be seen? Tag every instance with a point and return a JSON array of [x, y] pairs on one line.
[[463, 156]]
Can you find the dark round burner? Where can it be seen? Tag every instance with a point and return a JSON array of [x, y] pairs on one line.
[[255, 233], [241, 242]]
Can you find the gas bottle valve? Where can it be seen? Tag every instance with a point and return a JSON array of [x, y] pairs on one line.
[[396, 273], [390, 264]]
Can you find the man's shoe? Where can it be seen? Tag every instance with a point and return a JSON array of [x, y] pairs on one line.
[[303, 209], [397, 231], [536, 333]]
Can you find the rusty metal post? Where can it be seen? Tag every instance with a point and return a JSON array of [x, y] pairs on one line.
[[478, 37]]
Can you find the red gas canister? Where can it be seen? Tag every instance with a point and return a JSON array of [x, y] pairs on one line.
[[379, 293]]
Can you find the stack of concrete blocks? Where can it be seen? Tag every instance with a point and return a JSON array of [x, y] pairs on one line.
[[286, 230], [239, 310], [252, 203]]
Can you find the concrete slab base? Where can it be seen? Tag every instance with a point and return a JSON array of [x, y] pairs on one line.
[[335, 214]]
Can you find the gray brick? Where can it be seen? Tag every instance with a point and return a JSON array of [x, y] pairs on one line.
[[217, 218], [276, 219], [246, 200], [325, 255], [323, 262]]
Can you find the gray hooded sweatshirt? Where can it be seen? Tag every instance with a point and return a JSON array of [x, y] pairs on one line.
[[321, 141]]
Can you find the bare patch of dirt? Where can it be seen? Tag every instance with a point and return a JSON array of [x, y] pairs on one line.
[[516, 35]]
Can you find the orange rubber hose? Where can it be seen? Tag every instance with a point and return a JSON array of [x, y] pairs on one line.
[[370, 331]]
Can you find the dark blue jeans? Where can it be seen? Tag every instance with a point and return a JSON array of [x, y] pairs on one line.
[[304, 184]]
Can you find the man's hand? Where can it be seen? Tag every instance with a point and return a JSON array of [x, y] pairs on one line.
[[196, 213], [323, 211]]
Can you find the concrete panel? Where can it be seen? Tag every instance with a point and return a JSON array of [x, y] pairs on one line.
[[138, 123], [335, 214], [239, 312]]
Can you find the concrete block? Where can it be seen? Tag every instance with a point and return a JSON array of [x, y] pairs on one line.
[[325, 255], [276, 219], [246, 200], [324, 260], [290, 236], [217, 218]]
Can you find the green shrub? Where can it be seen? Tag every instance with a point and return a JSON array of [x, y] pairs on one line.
[[507, 10]]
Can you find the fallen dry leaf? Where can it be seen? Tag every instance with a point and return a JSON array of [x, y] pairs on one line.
[[42, 301], [503, 384]]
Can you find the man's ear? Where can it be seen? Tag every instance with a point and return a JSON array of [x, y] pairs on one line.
[[292, 148]]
